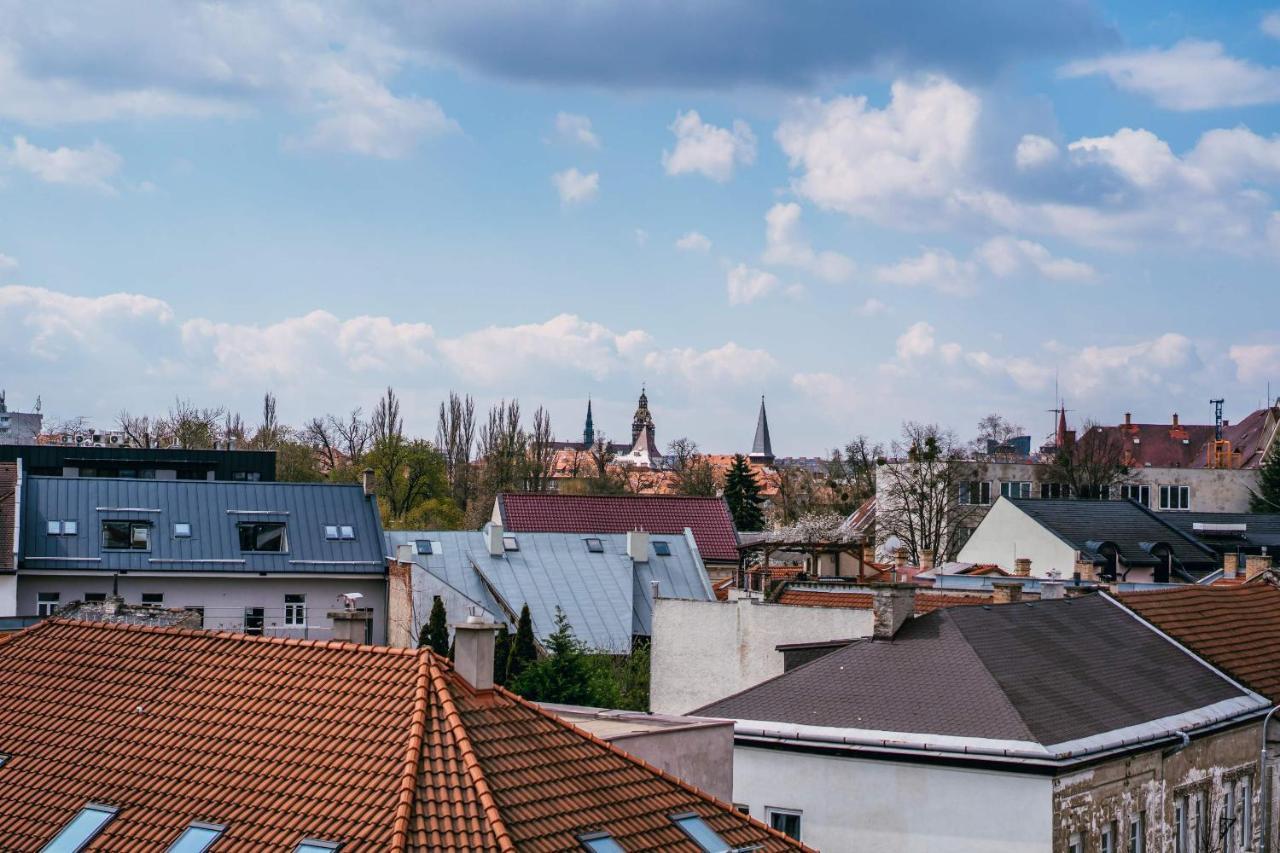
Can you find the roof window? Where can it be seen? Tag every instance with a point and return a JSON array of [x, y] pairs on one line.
[[82, 829], [182, 530], [346, 531], [331, 531], [600, 842], [312, 845], [662, 548], [595, 546], [423, 547], [196, 838], [704, 836], [509, 543]]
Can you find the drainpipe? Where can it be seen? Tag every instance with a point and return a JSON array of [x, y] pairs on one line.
[[1264, 801]]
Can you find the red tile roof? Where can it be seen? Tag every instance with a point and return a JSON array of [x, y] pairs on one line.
[[380, 749], [926, 602], [708, 518], [1235, 628]]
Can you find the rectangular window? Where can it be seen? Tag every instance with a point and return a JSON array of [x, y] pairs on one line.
[[977, 493], [295, 611], [311, 845], [47, 603], [742, 808], [1245, 795], [196, 838], [1141, 494], [1107, 842], [153, 599], [1200, 832], [346, 531], [331, 531], [126, 535], [262, 537], [1229, 819], [785, 821], [1138, 833], [1016, 489], [702, 835], [253, 621], [1054, 491], [1175, 497], [600, 842], [182, 530], [662, 548], [70, 528], [90, 597], [82, 829], [509, 543], [595, 546], [54, 528], [423, 547], [246, 476], [1075, 844], [1180, 825]]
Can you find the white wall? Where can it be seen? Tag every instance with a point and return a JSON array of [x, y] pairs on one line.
[[705, 650], [871, 806], [1007, 533], [8, 595]]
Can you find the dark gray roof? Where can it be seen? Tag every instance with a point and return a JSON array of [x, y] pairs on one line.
[[1046, 672], [1262, 529], [213, 509], [762, 447], [1133, 528]]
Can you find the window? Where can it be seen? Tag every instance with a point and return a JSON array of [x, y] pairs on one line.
[[246, 476], [1138, 833], [742, 808], [423, 547], [311, 845], [1107, 843], [95, 596], [509, 543], [126, 535], [1244, 788], [1016, 489], [154, 599], [77, 834], [1175, 497], [704, 836], [600, 842], [331, 531], [182, 530], [295, 611], [785, 821], [62, 528], [1228, 820], [978, 493], [54, 528], [1141, 494], [595, 546], [1201, 830], [47, 603], [1054, 491], [1180, 834], [662, 548], [346, 531], [190, 474], [262, 537], [1074, 843], [253, 621], [196, 838]]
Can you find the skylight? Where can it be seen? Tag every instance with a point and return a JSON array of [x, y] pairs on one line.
[[311, 845], [600, 842], [662, 548], [509, 543], [77, 834], [704, 836], [424, 546], [196, 838], [595, 546]]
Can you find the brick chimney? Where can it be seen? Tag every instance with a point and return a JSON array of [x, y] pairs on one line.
[[1256, 564], [493, 538], [473, 651], [1085, 569], [1128, 419], [899, 561], [1230, 565], [638, 546], [1022, 567], [892, 605], [926, 559], [1006, 593], [869, 552], [1175, 420]]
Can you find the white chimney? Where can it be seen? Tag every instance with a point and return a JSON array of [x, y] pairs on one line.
[[1051, 590], [493, 538], [638, 546], [473, 650], [404, 553]]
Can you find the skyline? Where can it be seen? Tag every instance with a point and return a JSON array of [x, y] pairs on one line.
[[868, 216]]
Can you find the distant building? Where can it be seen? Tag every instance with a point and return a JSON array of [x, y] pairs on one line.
[[154, 463], [19, 427]]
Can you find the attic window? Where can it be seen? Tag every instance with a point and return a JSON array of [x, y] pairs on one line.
[[704, 836], [311, 845], [423, 546], [82, 829], [196, 838], [509, 543], [600, 842], [595, 546], [662, 548]]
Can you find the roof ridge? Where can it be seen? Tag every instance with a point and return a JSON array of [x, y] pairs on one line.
[[413, 755], [221, 635], [497, 826], [542, 495], [945, 613]]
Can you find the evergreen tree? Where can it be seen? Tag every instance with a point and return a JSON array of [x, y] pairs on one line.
[[524, 652], [1266, 497], [501, 654], [436, 631], [565, 675], [742, 493]]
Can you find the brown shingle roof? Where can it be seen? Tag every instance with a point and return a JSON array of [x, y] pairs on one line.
[[380, 749], [1236, 628]]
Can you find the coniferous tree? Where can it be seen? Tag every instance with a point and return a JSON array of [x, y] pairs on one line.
[[564, 675], [742, 493], [524, 652], [501, 654], [1266, 497], [436, 631]]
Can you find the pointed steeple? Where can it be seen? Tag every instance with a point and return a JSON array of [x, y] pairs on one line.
[[642, 417], [1061, 437], [589, 431], [762, 447]]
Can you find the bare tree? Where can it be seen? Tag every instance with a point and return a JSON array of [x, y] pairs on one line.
[[139, 430], [918, 499], [233, 431], [502, 447], [693, 474], [602, 455], [996, 431], [852, 474], [352, 435], [386, 421], [1092, 463], [540, 455], [321, 436], [455, 437], [190, 426], [270, 433]]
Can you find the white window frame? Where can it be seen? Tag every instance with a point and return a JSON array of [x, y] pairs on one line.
[[182, 530], [47, 603], [770, 811], [1140, 492], [1107, 840], [1075, 844], [1138, 833], [1175, 498], [295, 612], [346, 532], [1022, 488], [331, 531]]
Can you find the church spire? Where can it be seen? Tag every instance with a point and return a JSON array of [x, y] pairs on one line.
[[589, 431], [762, 447], [642, 417]]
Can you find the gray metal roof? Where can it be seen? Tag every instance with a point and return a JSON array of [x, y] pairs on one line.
[[213, 510], [604, 595]]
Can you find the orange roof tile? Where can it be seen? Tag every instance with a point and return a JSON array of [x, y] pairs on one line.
[[279, 739]]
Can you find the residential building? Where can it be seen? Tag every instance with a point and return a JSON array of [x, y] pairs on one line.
[[53, 460], [263, 558], [708, 519], [19, 428], [603, 583], [1064, 725], [124, 737]]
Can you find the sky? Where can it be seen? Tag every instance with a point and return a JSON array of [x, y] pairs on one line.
[[868, 213]]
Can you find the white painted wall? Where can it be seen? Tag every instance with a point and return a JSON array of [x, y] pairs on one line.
[[8, 595], [705, 650], [1007, 533], [871, 806]]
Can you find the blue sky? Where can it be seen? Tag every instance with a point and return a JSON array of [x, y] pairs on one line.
[[868, 213]]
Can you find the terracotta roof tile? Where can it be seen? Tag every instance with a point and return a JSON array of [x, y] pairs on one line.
[[380, 749]]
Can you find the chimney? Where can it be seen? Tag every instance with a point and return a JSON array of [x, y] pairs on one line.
[[655, 590], [869, 552], [1022, 567], [1175, 420], [1006, 593], [638, 546], [1085, 569], [1128, 419], [366, 482], [1230, 566], [349, 626], [1050, 590], [111, 605], [1256, 564], [892, 605], [926, 559], [899, 562], [473, 651], [493, 538]]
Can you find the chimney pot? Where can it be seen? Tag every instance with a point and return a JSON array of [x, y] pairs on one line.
[[1085, 569], [493, 539], [1256, 564], [1006, 593], [1230, 565], [473, 643], [638, 546], [366, 482], [900, 557], [1128, 419], [655, 589], [892, 605], [1022, 567], [869, 552], [1175, 419]]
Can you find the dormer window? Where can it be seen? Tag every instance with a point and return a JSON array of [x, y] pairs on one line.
[[262, 537], [126, 535]]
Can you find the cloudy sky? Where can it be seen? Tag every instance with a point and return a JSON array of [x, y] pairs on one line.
[[894, 211]]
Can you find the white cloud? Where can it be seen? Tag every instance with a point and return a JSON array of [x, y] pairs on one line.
[[91, 167], [1150, 363], [830, 393], [936, 268], [916, 342], [1191, 75], [1006, 256], [1034, 151], [785, 245], [576, 129], [1256, 362], [1001, 257], [1143, 158], [694, 242], [1271, 24], [746, 284], [1026, 373], [565, 342], [730, 363], [575, 187], [707, 149], [876, 162], [871, 308], [7, 264], [356, 113], [51, 326]]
